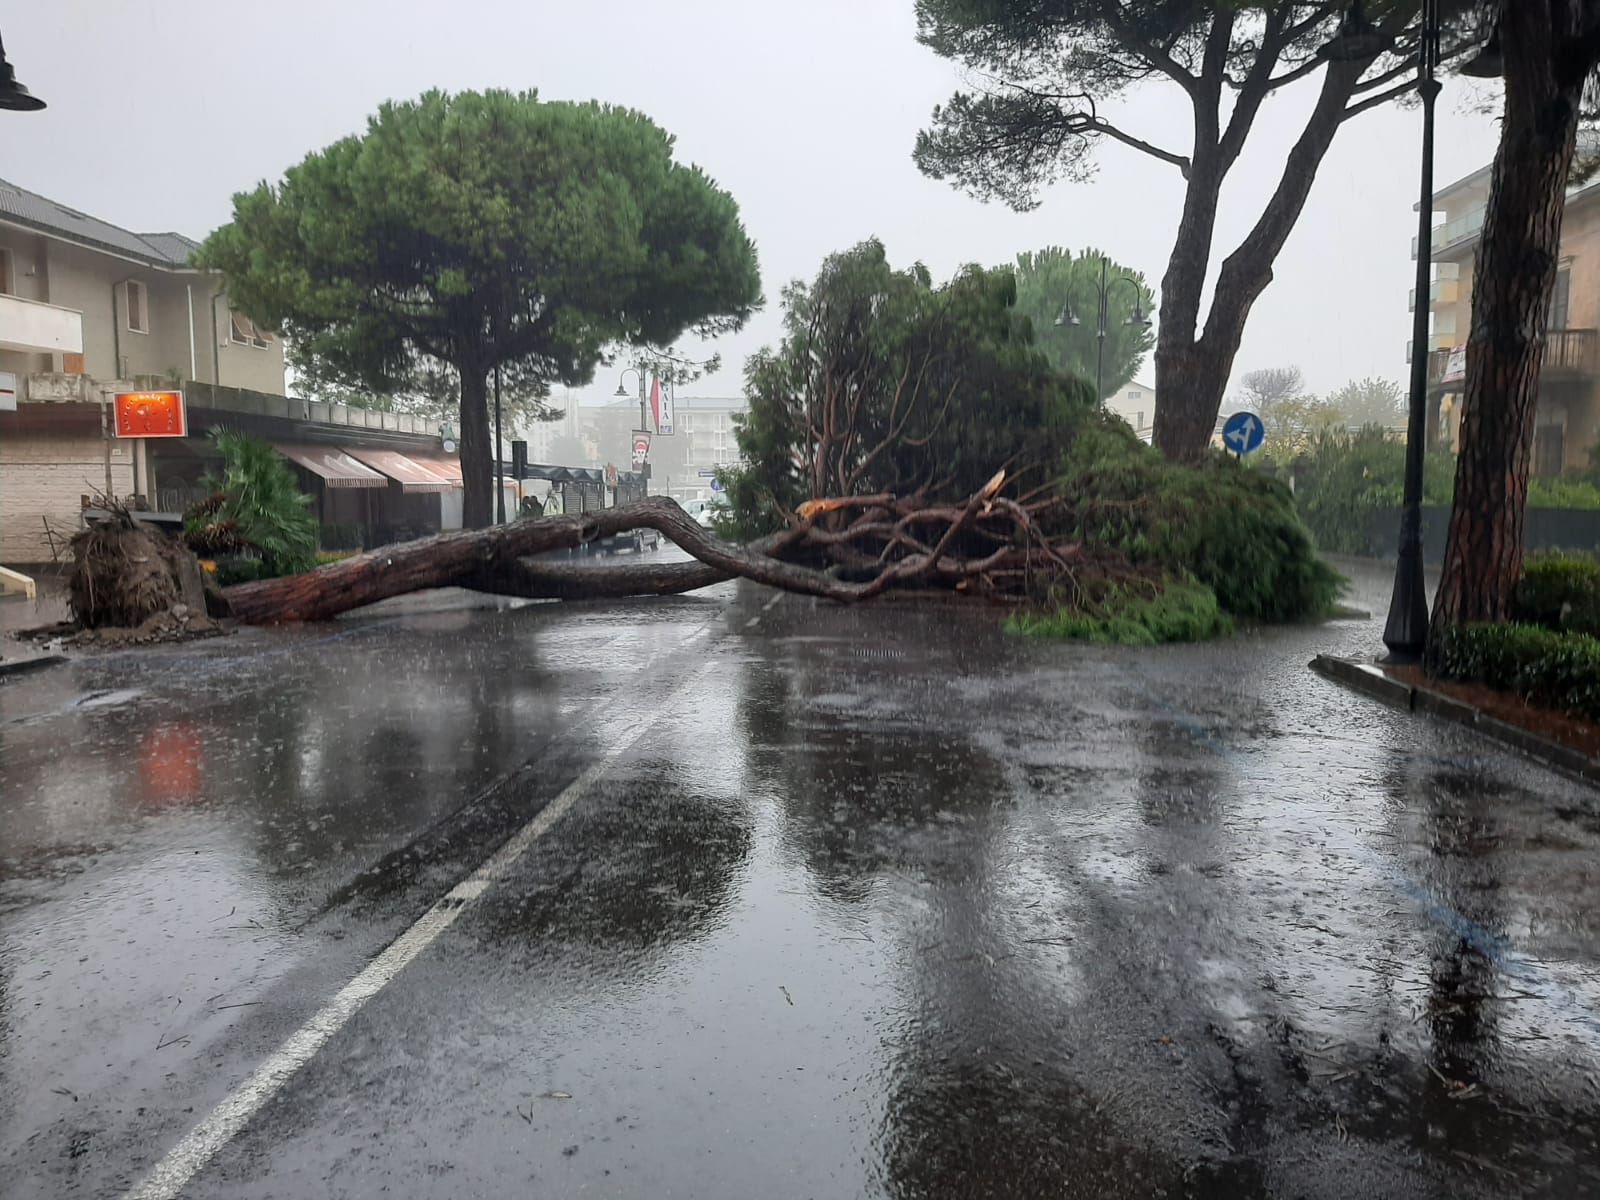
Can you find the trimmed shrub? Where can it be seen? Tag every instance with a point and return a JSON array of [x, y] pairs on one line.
[[1559, 591], [1557, 670], [1563, 491], [237, 570], [1176, 612], [1232, 528]]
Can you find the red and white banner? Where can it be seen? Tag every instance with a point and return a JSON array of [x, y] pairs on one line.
[[661, 405], [641, 448]]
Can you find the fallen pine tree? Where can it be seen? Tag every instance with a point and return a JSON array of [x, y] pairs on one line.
[[903, 438], [847, 549]]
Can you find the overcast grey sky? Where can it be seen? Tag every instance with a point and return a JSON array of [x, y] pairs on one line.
[[806, 111]]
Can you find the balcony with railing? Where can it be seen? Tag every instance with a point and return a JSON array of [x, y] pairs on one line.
[[1569, 354], [1453, 234], [1445, 288], [34, 327]]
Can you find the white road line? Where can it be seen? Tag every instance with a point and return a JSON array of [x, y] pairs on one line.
[[201, 1144]]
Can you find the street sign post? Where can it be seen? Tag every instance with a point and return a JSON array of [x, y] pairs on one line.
[[1243, 432]]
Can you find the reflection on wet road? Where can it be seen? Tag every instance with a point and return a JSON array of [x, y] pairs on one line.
[[876, 902]]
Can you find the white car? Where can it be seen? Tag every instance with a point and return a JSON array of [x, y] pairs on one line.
[[703, 511]]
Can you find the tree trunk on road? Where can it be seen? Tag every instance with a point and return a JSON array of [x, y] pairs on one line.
[[1512, 281], [989, 546], [477, 454], [478, 558]]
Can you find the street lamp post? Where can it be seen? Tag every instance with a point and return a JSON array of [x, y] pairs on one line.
[[499, 462], [13, 95], [1103, 319], [1406, 631], [644, 424]]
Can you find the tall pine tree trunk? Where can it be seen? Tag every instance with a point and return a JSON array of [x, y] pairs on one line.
[[1192, 372], [1512, 281], [477, 457], [1185, 390]]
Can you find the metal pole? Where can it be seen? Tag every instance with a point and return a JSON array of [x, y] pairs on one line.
[[1406, 632], [644, 427], [499, 459], [105, 438], [1100, 352]]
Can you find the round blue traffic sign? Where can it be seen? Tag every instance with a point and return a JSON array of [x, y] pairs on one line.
[[716, 485], [1243, 432]]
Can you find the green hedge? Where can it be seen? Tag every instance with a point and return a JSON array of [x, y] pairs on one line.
[[239, 570], [1559, 591], [1557, 670], [1178, 612], [1343, 477]]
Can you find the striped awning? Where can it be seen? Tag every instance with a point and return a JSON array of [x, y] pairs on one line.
[[445, 466], [411, 474], [335, 467]]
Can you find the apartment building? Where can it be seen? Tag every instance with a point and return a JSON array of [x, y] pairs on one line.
[[1568, 420], [86, 309], [681, 463]]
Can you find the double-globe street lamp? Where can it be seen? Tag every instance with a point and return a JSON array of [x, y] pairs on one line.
[[1103, 319], [654, 359]]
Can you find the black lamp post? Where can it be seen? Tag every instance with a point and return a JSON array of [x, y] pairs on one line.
[[13, 95], [1406, 632], [1103, 295], [499, 460]]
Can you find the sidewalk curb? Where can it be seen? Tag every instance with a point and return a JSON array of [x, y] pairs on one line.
[[1367, 678], [24, 666]]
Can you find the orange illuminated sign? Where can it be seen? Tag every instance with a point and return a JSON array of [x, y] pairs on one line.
[[150, 414]]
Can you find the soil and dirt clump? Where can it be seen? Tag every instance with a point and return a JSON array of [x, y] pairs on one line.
[[131, 585]]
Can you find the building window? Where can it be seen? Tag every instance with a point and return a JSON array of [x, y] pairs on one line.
[[7, 278], [1558, 299], [1134, 394], [138, 307], [243, 332]]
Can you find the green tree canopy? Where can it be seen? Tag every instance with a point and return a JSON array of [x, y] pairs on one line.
[[433, 391], [1370, 401], [478, 229], [1051, 278], [1048, 73], [885, 382]]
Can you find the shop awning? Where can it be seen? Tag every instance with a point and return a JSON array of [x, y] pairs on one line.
[[333, 465], [410, 474], [445, 466]]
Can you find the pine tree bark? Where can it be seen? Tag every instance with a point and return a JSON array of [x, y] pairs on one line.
[[477, 456], [1192, 372], [1513, 278]]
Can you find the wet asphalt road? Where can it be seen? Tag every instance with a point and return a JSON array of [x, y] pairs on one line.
[[839, 903]]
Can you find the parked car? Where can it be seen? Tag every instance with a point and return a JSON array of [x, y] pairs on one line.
[[705, 511]]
